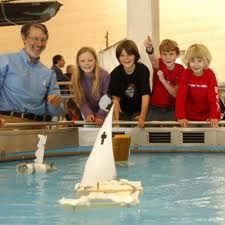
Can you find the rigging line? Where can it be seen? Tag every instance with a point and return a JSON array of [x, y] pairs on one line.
[[4, 15], [127, 183]]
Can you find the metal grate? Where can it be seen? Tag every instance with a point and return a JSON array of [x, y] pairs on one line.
[[159, 137], [193, 137]]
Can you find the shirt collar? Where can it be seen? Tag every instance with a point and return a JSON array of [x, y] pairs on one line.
[[26, 57]]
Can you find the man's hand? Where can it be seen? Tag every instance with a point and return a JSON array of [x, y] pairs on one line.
[[54, 100], [2, 121]]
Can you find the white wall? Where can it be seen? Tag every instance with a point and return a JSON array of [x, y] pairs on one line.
[[196, 21], [142, 20]]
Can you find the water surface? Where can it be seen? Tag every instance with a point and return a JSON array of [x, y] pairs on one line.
[[178, 189]]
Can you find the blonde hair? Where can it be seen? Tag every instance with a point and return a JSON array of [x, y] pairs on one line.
[[76, 86], [168, 45], [70, 68], [199, 51]]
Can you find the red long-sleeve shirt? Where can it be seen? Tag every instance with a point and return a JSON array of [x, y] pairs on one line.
[[160, 96], [197, 96]]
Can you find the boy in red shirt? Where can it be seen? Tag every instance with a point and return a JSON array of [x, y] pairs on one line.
[[165, 79], [198, 96]]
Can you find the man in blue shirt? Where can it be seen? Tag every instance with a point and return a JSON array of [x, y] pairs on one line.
[[28, 89]]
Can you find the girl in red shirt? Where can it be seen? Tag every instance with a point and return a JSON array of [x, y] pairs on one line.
[[197, 97]]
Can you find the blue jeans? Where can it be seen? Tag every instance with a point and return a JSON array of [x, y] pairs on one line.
[[161, 114]]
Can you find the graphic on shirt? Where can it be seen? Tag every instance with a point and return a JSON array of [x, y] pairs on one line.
[[198, 85], [130, 92], [216, 91], [218, 108]]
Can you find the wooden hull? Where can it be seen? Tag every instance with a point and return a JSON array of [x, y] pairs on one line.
[[121, 187], [108, 194], [29, 168]]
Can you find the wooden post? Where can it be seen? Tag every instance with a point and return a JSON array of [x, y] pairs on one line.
[[121, 147]]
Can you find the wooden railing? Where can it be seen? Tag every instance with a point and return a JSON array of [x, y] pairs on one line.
[[121, 123], [65, 89]]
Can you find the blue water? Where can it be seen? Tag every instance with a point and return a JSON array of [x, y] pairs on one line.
[[178, 189]]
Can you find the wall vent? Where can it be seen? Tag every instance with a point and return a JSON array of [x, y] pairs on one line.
[[159, 137], [193, 137]]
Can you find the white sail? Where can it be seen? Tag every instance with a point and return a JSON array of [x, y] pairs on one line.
[[40, 150], [107, 57], [100, 165]]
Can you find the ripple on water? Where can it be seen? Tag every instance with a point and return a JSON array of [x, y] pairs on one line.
[[178, 189]]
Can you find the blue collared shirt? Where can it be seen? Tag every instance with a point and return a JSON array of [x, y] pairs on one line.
[[24, 86]]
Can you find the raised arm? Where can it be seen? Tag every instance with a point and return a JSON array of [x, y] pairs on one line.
[[150, 51]]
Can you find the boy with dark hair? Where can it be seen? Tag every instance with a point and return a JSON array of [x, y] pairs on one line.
[[129, 85]]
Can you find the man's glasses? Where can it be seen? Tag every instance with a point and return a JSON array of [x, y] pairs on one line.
[[36, 39]]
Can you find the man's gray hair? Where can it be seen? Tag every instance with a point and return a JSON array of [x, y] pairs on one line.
[[25, 29]]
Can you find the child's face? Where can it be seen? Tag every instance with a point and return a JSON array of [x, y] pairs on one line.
[[87, 63], [169, 59], [197, 65], [128, 61]]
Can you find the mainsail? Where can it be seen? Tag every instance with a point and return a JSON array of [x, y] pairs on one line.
[[100, 165], [98, 187], [40, 150]]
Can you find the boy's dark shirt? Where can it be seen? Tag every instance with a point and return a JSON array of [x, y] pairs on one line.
[[130, 87]]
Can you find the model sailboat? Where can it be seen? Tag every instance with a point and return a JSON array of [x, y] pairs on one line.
[[99, 186], [38, 165]]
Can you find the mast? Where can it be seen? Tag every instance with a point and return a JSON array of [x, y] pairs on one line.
[[106, 39]]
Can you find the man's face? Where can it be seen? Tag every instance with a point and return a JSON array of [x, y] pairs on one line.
[[35, 42], [61, 62]]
